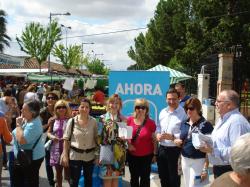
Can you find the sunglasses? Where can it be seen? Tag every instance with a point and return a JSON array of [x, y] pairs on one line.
[[140, 107], [51, 98], [190, 108], [61, 107]]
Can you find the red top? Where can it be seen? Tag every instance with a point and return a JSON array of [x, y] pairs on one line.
[[144, 142]]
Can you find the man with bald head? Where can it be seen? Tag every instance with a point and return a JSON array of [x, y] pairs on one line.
[[229, 127]]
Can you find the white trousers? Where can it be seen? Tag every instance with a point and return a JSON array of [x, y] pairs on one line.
[[191, 168]]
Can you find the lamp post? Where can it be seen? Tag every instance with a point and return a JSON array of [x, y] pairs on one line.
[[66, 30], [50, 19], [66, 42]]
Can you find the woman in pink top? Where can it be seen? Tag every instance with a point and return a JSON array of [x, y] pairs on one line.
[[142, 146], [57, 125]]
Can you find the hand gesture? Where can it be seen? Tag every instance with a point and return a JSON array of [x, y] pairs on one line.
[[19, 121], [167, 136], [204, 175], [51, 120], [206, 149], [131, 147], [64, 160], [154, 160], [54, 138], [178, 142]]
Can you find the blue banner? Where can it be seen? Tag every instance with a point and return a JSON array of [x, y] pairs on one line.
[[151, 85]]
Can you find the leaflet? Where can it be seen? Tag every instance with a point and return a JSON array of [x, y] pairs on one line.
[[124, 130], [200, 140]]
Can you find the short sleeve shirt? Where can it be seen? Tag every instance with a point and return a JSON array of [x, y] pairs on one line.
[[31, 132], [82, 138]]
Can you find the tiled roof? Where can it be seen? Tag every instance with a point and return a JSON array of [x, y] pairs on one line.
[[32, 63]]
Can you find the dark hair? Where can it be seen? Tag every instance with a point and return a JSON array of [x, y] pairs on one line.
[[86, 100], [172, 91], [7, 92], [34, 107], [180, 84], [195, 103], [52, 93]]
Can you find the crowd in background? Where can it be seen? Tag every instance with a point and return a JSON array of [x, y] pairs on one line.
[[75, 143]]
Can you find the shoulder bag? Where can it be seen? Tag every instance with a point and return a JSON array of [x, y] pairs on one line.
[[25, 156]]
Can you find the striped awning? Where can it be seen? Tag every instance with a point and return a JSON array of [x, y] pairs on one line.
[[175, 76], [45, 78]]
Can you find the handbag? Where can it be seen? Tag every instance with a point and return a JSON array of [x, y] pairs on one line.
[[47, 145], [25, 156], [106, 154]]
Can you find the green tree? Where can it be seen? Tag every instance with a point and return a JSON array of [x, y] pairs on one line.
[[165, 34], [70, 57], [4, 38], [187, 31], [38, 41], [96, 66]]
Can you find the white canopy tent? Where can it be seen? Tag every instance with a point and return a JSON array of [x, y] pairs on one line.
[[175, 76]]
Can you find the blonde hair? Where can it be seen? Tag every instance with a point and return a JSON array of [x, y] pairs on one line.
[[62, 102], [113, 98], [141, 102]]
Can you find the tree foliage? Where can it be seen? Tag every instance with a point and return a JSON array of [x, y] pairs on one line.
[[96, 66], [38, 41], [4, 38], [70, 57], [182, 32]]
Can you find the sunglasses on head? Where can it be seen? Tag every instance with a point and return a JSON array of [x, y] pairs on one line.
[[190, 108], [61, 107], [140, 107], [51, 98]]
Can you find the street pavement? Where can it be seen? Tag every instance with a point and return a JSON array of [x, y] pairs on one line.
[[155, 182]]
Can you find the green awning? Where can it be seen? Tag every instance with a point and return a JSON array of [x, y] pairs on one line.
[[175, 76], [45, 78]]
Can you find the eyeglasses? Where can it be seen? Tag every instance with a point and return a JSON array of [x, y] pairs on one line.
[[140, 107], [51, 98], [190, 108], [220, 101], [61, 107]]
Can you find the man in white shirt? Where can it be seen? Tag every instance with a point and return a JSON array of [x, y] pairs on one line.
[[230, 126], [168, 129]]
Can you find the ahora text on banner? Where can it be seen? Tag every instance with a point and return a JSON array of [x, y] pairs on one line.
[[151, 85]]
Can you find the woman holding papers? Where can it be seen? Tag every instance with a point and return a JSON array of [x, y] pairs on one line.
[[194, 162], [142, 146], [110, 172]]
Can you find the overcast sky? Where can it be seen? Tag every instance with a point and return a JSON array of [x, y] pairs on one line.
[[87, 17]]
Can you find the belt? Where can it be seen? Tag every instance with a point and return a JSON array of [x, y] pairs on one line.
[[82, 150], [221, 166], [169, 147]]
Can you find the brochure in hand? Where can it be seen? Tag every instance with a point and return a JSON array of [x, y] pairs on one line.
[[124, 130]]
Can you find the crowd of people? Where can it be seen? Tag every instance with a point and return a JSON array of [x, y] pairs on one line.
[[74, 142]]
